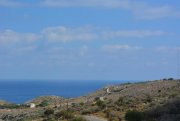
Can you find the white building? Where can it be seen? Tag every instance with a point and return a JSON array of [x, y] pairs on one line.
[[32, 105]]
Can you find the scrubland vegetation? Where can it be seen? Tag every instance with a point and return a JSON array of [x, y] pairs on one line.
[[148, 101]]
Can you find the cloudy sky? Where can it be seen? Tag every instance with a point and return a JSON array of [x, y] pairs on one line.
[[89, 39]]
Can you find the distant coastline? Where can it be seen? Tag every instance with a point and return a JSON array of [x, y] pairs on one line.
[[21, 91]]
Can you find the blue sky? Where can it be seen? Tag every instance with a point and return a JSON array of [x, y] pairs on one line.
[[89, 39]]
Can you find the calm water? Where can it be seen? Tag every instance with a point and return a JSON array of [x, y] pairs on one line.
[[20, 92]]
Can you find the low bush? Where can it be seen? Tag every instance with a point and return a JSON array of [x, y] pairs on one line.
[[134, 116], [100, 104], [44, 103], [64, 115], [48, 112], [120, 101], [85, 112], [81, 104]]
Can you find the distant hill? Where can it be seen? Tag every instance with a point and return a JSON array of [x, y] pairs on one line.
[[49, 99], [2, 102]]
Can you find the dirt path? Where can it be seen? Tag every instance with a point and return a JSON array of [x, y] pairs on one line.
[[94, 118]]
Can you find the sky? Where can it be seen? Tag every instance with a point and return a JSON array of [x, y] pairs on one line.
[[89, 39]]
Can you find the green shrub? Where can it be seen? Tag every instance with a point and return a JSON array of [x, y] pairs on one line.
[[81, 104], [97, 110], [78, 119], [73, 105], [44, 103], [109, 101], [96, 98], [64, 115], [48, 112], [88, 111], [149, 99], [120, 101], [100, 104], [85, 112], [133, 116]]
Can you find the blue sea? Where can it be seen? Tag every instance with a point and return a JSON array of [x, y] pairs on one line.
[[22, 91]]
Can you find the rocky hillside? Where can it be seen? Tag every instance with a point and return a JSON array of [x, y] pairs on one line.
[[111, 102], [158, 91], [136, 96]]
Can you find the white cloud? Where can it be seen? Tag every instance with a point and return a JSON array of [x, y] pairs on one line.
[[133, 33], [115, 48], [146, 12], [162, 49], [166, 49], [10, 36], [22, 50], [87, 3], [139, 9], [10, 3], [65, 34], [68, 34]]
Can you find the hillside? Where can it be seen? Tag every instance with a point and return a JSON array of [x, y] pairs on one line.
[[136, 96], [143, 97], [2, 102]]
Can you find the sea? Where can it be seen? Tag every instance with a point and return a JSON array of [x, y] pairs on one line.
[[20, 92]]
